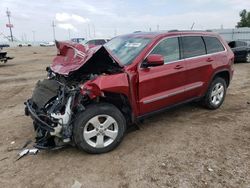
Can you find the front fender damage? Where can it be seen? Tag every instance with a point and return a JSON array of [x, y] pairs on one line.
[[117, 83]]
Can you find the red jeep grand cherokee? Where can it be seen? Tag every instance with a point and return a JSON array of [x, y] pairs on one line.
[[92, 95]]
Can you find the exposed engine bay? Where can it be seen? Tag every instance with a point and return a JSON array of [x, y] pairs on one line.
[[58, 100]]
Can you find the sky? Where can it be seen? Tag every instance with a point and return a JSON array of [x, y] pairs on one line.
[[32, 20]]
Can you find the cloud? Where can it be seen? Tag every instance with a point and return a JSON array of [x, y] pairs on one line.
[[67, 26], [79, 18], [65, 17]]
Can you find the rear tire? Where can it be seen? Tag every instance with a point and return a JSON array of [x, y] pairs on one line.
[[216, 94], [99, 129], [248, 57]]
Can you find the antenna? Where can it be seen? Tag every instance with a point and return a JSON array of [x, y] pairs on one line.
[[9, 25], [192, 26]]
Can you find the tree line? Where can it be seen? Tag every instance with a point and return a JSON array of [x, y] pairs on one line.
[[244, 19]]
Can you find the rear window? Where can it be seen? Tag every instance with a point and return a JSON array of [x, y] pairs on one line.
[[213, 45], [100, 42], [240, 43], [193, 46]]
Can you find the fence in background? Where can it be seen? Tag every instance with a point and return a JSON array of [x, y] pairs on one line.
[[234, 34]]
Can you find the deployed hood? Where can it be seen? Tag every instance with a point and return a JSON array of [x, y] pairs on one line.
[[73, 56]]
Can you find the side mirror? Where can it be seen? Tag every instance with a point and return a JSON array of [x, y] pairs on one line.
[[153, 60]]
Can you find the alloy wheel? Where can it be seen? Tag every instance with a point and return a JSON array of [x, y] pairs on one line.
[[217, 94], [100, 131], [248, 58]]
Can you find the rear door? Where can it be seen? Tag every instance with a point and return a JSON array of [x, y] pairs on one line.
[[163, 85], [202, 55], [197, 64]]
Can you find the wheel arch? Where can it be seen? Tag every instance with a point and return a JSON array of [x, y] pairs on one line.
[[225, 74], [120, 101]]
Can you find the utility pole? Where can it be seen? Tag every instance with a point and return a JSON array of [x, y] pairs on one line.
[[158, 27], [9, 25], [34, 39], [54, 33], [94, 30], [89, 30]]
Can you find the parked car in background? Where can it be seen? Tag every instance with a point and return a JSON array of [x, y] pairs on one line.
[[4, 45], [24, 44], [95, 42], [3, 57], [241, 51], [47, 44], [92, 95], [78, 40]]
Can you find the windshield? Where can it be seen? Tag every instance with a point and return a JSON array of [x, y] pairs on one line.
[[127, 48]]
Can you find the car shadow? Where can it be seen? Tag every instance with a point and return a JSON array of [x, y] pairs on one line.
[[6, 65], [172, 113]]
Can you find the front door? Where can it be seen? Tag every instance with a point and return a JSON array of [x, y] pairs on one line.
[[163, 85]]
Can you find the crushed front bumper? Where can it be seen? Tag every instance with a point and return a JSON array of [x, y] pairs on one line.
[[30, 111]]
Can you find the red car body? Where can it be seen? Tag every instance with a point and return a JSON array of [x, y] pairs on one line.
[[155, 88], [89, 88]]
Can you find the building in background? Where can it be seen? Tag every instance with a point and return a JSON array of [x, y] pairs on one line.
[[242, 34]]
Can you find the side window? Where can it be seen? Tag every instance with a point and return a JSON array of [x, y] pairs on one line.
[[90, 42], [213, 45], [192, 46], [240, 44], [169, 48]]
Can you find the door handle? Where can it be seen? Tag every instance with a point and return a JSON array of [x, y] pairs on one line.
[[178, 67], [209, 59]]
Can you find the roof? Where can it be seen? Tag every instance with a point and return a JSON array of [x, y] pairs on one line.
[[170, 32]]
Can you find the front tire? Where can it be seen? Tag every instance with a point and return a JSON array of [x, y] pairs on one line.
[[99, 129], [216, 94]]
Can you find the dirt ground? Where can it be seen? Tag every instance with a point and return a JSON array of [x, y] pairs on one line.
[[185, 147]]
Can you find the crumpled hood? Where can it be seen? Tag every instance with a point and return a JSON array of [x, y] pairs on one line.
[[72, 56]]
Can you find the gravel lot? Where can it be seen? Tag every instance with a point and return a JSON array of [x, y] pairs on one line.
[[185, 147]]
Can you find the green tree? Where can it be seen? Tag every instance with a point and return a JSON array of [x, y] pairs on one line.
[[244, 19]]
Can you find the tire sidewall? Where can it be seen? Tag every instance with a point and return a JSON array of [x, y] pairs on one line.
[[248, 54], [90, 112], [209, 98]]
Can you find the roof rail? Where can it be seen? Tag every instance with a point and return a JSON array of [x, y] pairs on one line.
[[176, 30]]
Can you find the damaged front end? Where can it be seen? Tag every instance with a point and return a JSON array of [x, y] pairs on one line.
[[52, 108], [72, 84]]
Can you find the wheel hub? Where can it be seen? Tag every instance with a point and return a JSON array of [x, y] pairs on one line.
[[100, 131], [217, 94]]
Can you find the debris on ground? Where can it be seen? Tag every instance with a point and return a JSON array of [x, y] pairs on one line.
[[13, 142], [22, 153], [76, 184], [210, 169], [25, 152]]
